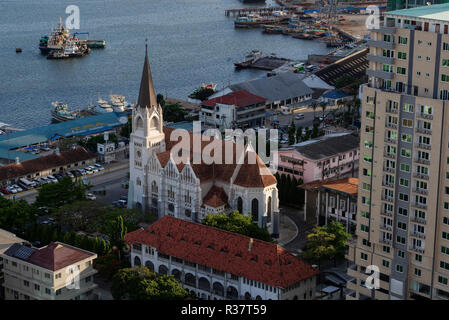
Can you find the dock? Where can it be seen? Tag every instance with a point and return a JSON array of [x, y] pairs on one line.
[[261, 10], [268, 63]]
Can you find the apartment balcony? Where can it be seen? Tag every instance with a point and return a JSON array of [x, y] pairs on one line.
[[386, 241], [388, 169], [380, 74], [417, 234], [416, 249], [387, 198], [422, 161], [380, 44], [386, 227], [379, 59], [390, 140], [388, 184], [423, 146], [386, 213], [391, 110], [420, 205], [389, 155], [421, 176], [388, 29], [422, 130], [425, 116], [391, 125], [421, 191], [418, 220]]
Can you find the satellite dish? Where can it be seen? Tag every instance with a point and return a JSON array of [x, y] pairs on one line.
[[123, 120]]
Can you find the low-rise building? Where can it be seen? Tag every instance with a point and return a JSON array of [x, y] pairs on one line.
[[331, 156], [7, 239], [239, 109], [334, 200], [217, 264], [55, 272], [58, 162]]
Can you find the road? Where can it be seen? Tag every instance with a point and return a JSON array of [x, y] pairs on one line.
[[109, 180]]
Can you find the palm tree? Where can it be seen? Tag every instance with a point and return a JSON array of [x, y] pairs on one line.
[[314, 105], [323, 106]]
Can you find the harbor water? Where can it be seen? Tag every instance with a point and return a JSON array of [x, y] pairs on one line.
[[190, 42]]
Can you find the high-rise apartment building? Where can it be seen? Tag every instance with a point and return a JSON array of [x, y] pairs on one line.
[[403, 196]]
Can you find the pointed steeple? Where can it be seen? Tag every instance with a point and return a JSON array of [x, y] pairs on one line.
[[147, 97]]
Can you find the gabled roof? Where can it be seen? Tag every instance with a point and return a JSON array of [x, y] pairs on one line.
[[255, 175], [283, 86], [216, 197], [241, 98], [54, 160], [52, 257], [147, 96], [345, 185], [222, 250], [329, 147]]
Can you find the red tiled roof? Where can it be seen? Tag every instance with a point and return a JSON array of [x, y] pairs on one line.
[[57, 255], [216, 197], [44, 163], [241, 98], [346, 185], [226, 251], [255, 175]]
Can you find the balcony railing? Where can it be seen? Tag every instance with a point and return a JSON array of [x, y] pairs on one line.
[[421, 175], [420, 205], [417, 234], [380, 74], [391, 125], [416, 249], [422, 161], [388, 169], [386, 227], [421, 191], [389, 155], [390, 140], [388, 184], [423, 130], [425, 115], [387, 198], [380, 44], [386, 241], [391, 110], [380, 59], [423, 146], [418, 219], [386, 213]]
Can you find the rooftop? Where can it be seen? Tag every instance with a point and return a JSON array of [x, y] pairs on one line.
[[222, 250], [54, 256], [345, 185], [216, 197], [329, 146], [241, 98], [433, 12], [24, 168], [7, 239]]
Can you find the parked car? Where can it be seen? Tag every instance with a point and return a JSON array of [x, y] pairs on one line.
[[19, 189], [59, 176], [88, 170], [91, 196], [76, 173], [99, 166], [52, 178], [70, 175], [44, 180], [299, 116]]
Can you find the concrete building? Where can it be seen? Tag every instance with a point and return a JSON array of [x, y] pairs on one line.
[[168, 178], [41, 167], [217, 264], [334, 200], [239, 109], [55, 272], [7, 239], [331, 156], [403, 202]]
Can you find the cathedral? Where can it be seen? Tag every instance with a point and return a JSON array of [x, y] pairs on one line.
[[190, 190]]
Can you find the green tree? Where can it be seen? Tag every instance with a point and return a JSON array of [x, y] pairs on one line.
[[299, 134], [343, 81], [341, 238], [323, 106], [315, 131], [16, 215], [319, 245], [237, 223], [142, 284], [116, 231], [202, 94], [314, 105], [55, 195], [126, 129], [291, 133]]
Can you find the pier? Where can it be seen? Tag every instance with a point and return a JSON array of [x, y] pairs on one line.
[[262, 10]]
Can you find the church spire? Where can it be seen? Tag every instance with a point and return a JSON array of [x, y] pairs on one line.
[[147, 97]]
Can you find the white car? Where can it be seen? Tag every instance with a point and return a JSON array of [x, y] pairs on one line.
[[52, 179], [11, 189], [19, 189], [299, 116], [91, 196], [99, 167], [94, 170], [88, 170]]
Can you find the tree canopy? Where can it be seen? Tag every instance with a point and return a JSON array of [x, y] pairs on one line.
[[66, 191], [15, 215], [237, 223], [142, 284]]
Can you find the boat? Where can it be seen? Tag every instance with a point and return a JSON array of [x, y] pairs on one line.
[[272, 29], [18, 50], [61, 112], [56, 40], [209, 86], [57, 54], [96, 44], [253, 20]]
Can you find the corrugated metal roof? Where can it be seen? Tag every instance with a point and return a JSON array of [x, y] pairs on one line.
[[436, 12]]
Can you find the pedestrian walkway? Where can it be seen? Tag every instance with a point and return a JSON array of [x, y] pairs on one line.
[[287, 230]]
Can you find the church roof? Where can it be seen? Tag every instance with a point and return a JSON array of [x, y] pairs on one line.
[[249, 175], [147, 97], [216, 197]]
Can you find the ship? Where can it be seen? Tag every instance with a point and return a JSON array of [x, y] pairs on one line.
[[61, 112], [253, 20], [56, 40]]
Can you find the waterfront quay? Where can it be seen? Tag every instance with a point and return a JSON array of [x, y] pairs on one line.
[[261, 10]]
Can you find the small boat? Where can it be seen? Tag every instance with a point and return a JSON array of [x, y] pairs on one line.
[[209, 86], [95, 44], [61, 112], [18, 50], [253, 20]]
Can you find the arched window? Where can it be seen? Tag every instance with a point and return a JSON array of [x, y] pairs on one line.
[[163, 269], [269, 210], [203, 284], [149, 265], [154, 123], [218, 289], [190, 280], [258, 298], [154, 188], [232, 293], [176, 274], [240, 205], [247, 296], [138, 181], [255, 209], [139, 123], [188, 213], [137, 261]]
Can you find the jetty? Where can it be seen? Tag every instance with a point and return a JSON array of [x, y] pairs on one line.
[[262, 11]]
